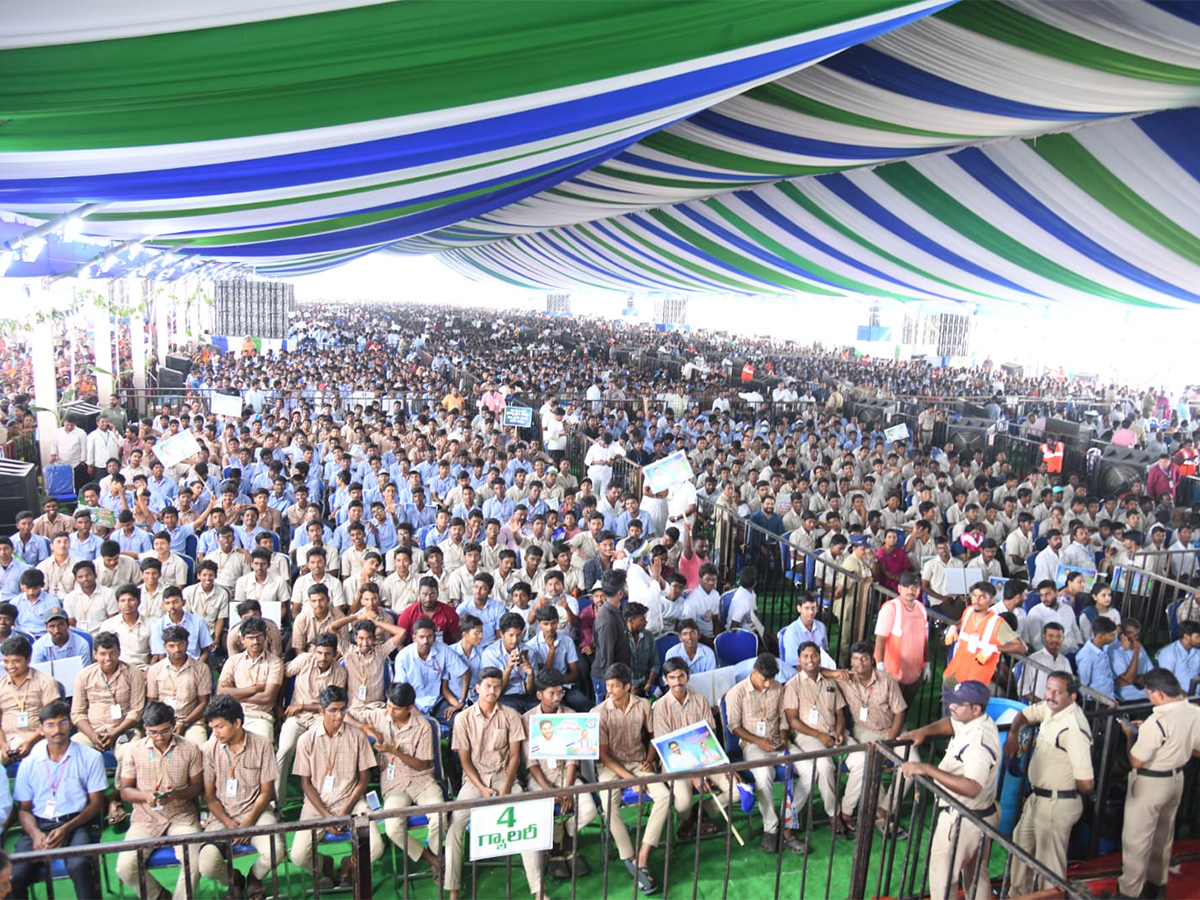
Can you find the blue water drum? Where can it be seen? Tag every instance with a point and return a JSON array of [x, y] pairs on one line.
[[1009, 792]]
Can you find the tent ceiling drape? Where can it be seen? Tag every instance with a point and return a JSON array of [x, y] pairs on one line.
[[996, 150]]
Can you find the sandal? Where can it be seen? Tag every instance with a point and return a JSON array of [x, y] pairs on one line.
[[117, 815], [707, 828], [848, 823], [255, 889]]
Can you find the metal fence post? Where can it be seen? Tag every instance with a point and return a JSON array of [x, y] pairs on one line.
[[863, 838], [361, 850]]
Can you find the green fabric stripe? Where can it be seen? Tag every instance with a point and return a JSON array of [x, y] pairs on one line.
[[802, 200], [752, 268], [995, 20], [780, 96], [626, 257], [366, 63], [923, 192], [688, 151], [762, 239], [1076, 163]]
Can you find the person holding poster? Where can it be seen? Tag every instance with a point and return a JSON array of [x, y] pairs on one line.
[[548, 774]]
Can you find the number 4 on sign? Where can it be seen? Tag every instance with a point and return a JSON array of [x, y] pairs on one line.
[[508, 818]]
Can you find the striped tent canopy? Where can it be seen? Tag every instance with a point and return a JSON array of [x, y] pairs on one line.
[[1029, 151]]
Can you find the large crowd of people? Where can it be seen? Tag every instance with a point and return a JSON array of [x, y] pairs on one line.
[[369, 557]]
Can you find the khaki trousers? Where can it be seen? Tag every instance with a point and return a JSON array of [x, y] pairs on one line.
[[1044, 830], [959, 850], [128, 867], [1149, 831], [302, 844], [660, 811], [212, 859], [531, 860], [289, 736], [764, 788], [824, 771], [119, 750], [397, 829], [264, 728]]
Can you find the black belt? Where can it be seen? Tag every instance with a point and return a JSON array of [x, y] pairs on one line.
[[1061, 795], [1169, 774], [982, 813]]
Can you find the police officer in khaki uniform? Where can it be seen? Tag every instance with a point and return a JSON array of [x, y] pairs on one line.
[[1060, 773], [1158, 750], [968, 770]]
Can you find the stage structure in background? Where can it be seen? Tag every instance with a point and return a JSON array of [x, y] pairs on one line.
[[559, 303], [254, 308], [671, 309]]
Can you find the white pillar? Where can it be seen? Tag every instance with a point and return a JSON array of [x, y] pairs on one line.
[[162, 338], [194, 313], [137, 344], [45, 387], [102, 345]]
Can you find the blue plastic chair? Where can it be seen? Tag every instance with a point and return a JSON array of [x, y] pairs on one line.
[[665, 642], [1031, 565], [726, 602], [733, 647], [91, 642], [191, 545]]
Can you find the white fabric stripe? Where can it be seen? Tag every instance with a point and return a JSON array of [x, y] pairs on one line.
[[169, 156], [934, 229], [1089, 216], [1149, 172], [49, 22], [1134, 27], [975, 197], [976, 61]]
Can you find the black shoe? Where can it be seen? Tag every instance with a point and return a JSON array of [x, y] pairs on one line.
[[559, 870], [770, 843], [578, 866]]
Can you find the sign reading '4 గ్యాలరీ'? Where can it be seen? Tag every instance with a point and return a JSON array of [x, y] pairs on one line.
[[513, 828]]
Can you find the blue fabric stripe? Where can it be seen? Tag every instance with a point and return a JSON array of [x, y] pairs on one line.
[[431, 147], [984, 170], [873, 67], [798, 144], [632, 158], [686, 248], [1188, 10], [638, 251], [1177, 134], [844, 188]]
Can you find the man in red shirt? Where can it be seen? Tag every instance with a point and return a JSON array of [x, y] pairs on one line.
[[1163, 478], [445, 619]]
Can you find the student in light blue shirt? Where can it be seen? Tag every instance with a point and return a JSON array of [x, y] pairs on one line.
[[514, 659], [61, 784], [11, 567], [1092, 662], [486, 608], [32, 548], [33, 603], [698, 657], [1182, 658], [469, 656], [84, 544], [427, 664], [565, 656], [60, 641], [199, 639], [806, 628], [1121, 657]]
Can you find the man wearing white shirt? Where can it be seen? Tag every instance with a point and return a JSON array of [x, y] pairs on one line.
[[1183, 555], [88, 605], [698, 657], [1046, 563], [986, 562], [103, 444], [1079, 554], [1018, 546], [933, 573], [260, 584], [69, 448], [1050, 610], [1033, 678]]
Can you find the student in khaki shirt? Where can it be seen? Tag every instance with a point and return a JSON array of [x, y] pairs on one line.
[[313, 619], [23, 691], [239, 785], [406, 742], [208, 600], [254, 678], [245, 610], [130, 626], [366, 661], [812, 705], [334, 764], [487, 738], [183, 683], [399, 589], [875, 707], [162, 775], [754, 712]]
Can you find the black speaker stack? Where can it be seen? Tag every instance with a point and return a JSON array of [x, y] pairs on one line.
[[18, 491]]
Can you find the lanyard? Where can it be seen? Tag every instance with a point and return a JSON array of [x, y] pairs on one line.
[[20, 701], [162, 775], [62, 768], [112, 690], [333, 754], [233, 761]]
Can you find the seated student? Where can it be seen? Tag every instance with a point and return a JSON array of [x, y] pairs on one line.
[[482, 605], [88, 604], [60, 641], [209, 600], [151, 587], [443, 615], [366, 660], [1103, 596], [1092, 662], [23, 691], [311, 672], [554, 596], [405, 743], [703, 604], [130, 626], [755, 715], [521, 598], [32, 603], [254, 677], [161, 775], [252, 609], [334, 764], [807, 627], [1182, 657], [549, 650], [487, 738], [698, 657], [468, 653], [644, 662], [678, 708], [239, 785], [548, 774], [115, 568], [183, 683], [1129, 661], [199, 639], [1032, 687], [430, 667], [812, 706], [59, 812], [514, 659]]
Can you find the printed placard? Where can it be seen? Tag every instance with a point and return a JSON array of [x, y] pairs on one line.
[[506, 829], [564, 736]]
